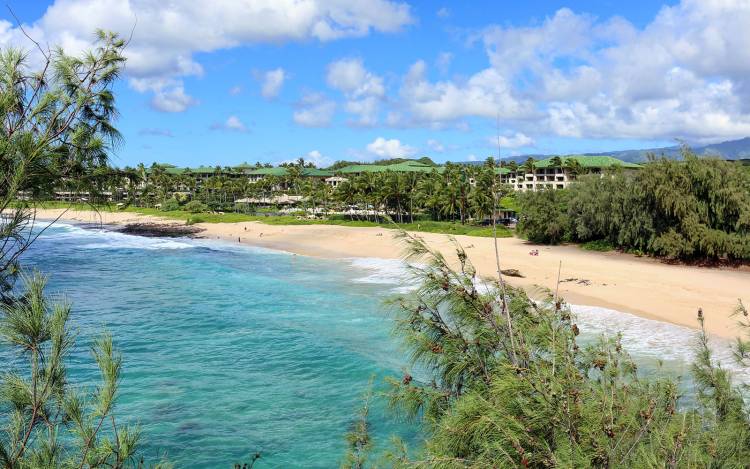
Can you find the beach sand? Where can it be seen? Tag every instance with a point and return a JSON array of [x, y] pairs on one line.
[[642, 286]]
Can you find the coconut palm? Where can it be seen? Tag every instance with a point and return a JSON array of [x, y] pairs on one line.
[[529, 166], [573, 167]]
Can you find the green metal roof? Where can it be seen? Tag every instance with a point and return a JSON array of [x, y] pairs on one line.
[[171, 170], [275, 171], [282, 171], [597, 161], [403, 167], [204, 169], [317, 172]]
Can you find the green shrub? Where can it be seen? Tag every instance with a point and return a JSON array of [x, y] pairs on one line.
[[195, 206], [694, 209], [170, 205], [544, 216], [506, 381], [601, 245]]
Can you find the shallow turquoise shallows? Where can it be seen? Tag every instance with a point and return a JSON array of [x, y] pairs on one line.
[[228, 350]]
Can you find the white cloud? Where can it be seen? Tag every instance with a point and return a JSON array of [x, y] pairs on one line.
[[319, 159], [272, 82], [513, 141], [472, 157], [235, 90], [167, 35], [351, 77], [484, 94], [233, 124], [392, 148], [685, 75], [169, 95], [315, 156], [362, 89], [156, 132], [314, 110], [443, 61], [443, 13], [435, 146]]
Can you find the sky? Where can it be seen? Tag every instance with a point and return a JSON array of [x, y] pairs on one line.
[[232, 81]]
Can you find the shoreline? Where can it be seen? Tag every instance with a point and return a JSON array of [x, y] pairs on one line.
[[644, 287]]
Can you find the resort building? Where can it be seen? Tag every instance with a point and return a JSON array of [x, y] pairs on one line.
[[258, 174], [551, 173], [559, 172], [334, 181], [410, 166]]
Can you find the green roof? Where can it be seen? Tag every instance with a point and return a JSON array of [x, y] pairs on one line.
[[596, 161], [282, 171], [275, 171], [317, 172], [173, 170], [403, 167], [204, 169]]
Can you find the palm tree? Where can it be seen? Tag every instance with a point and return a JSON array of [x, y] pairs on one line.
[[529, 166], [347, 192], [573, 167]]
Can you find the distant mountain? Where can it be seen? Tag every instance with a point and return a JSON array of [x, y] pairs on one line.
[[730, 150]]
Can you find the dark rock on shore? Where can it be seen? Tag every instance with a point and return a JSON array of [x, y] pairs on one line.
[[162, 230]]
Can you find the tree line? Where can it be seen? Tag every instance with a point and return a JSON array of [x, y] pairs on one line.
[[460, 193], [693, 209]]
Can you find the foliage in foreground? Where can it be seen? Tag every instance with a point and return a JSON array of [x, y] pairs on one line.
[[694, 209], [503, 381], [49, 422], [57, 129]]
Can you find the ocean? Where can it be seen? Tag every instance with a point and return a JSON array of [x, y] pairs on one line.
[[229, 350]]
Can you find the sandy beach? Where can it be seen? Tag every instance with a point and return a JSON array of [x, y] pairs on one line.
[[642, 286]]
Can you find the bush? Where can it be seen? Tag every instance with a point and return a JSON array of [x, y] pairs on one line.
[[544, 216], [195, 206], [506, 381], [601, 245], [694, 209], [170, 205]]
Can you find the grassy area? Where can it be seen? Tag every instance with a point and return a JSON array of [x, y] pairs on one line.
[[230, 217]]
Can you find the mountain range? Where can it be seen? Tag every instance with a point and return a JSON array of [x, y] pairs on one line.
[[730, 150]]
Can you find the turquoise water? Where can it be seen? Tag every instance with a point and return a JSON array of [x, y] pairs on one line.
[[228, 350]]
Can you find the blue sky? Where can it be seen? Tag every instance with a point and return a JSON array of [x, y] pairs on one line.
[[276, 80]]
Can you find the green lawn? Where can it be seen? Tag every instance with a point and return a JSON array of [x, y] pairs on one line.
[[230, 217]]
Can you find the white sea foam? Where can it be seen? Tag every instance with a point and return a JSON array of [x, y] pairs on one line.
[[653, 339], [643, 338], [384, 272], [108, 239]]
